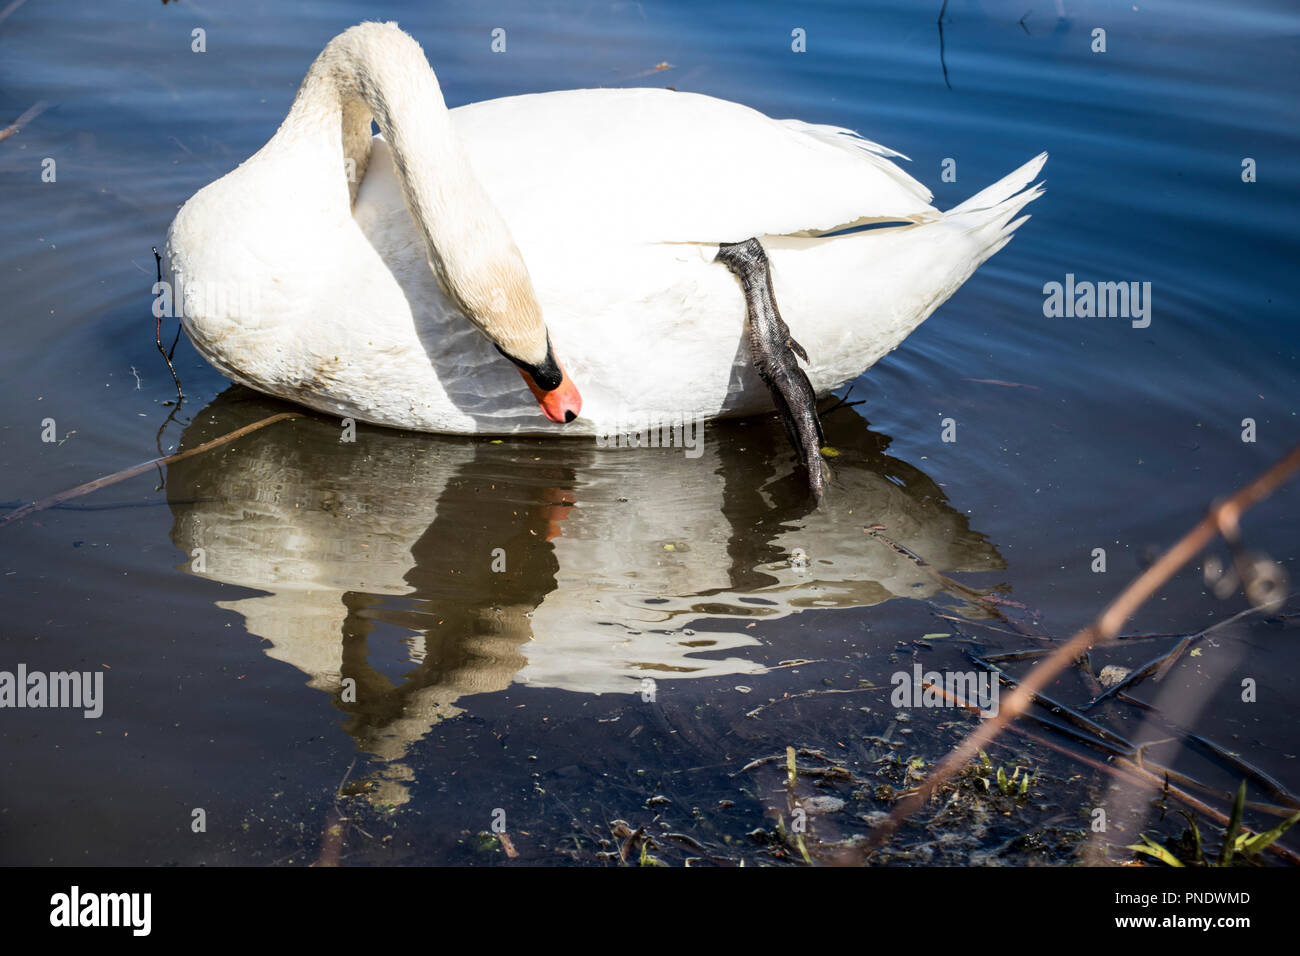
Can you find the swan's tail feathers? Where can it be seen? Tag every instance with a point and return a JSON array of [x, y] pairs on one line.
[[989, 214], [879, 156], [1005, 188]]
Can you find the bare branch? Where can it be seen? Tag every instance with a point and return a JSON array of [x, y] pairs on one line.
[[1224, 514]]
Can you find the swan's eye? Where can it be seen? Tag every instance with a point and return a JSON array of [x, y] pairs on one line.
[[547, 376]]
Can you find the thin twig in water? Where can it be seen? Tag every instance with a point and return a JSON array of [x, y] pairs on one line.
[[949, 585], [1133, 677], [88, 487], [1223, 755], [157, 333], [1015, 655], [1105, 627], [812, 693], [998, 381], [162, 477], [984, 624], [1181, 647], [942, 59], [1159, 666], [844, 403]]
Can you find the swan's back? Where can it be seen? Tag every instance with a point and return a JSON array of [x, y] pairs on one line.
[[661, 166]]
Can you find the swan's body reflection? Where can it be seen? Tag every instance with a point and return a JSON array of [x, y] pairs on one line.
[[427, 568]]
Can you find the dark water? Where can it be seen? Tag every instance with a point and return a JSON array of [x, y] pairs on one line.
[[526, 691]]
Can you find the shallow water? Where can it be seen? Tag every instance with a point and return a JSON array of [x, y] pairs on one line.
[[526, 689]]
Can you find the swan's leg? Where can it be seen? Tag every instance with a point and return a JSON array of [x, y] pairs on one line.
[[773, 351]]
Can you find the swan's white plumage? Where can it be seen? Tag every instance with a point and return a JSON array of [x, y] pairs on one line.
[[616, 200], [662, 166]]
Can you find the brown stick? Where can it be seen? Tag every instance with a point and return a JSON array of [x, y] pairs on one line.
[[88, 487], [1224, 514], [33, 111]]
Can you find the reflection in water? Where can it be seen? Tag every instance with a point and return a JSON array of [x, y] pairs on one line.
[[428, 568]]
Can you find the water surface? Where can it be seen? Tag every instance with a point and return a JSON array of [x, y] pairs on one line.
[[526, 689]]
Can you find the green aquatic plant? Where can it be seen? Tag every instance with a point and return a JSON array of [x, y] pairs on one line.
[[1013, 786], [1239, 846]]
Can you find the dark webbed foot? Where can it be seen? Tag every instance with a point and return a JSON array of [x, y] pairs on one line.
[[773, 351]]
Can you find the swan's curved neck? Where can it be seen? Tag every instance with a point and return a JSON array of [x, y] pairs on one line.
[[376, 71]]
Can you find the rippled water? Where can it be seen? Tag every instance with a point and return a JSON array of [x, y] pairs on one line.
[[478, 689]]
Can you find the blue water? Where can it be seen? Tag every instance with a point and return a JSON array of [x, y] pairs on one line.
[[222, 686]]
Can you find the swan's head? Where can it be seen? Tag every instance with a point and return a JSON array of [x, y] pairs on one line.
[[550, 385], [502, 303]]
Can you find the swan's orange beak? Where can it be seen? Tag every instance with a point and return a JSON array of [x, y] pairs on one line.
[[562, 403]]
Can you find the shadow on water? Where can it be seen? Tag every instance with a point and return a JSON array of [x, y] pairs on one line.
[[403, 572]]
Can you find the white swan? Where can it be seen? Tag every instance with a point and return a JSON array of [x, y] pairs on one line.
[[339, 271]]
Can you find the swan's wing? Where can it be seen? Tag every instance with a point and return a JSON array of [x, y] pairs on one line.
[[662, 166]]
